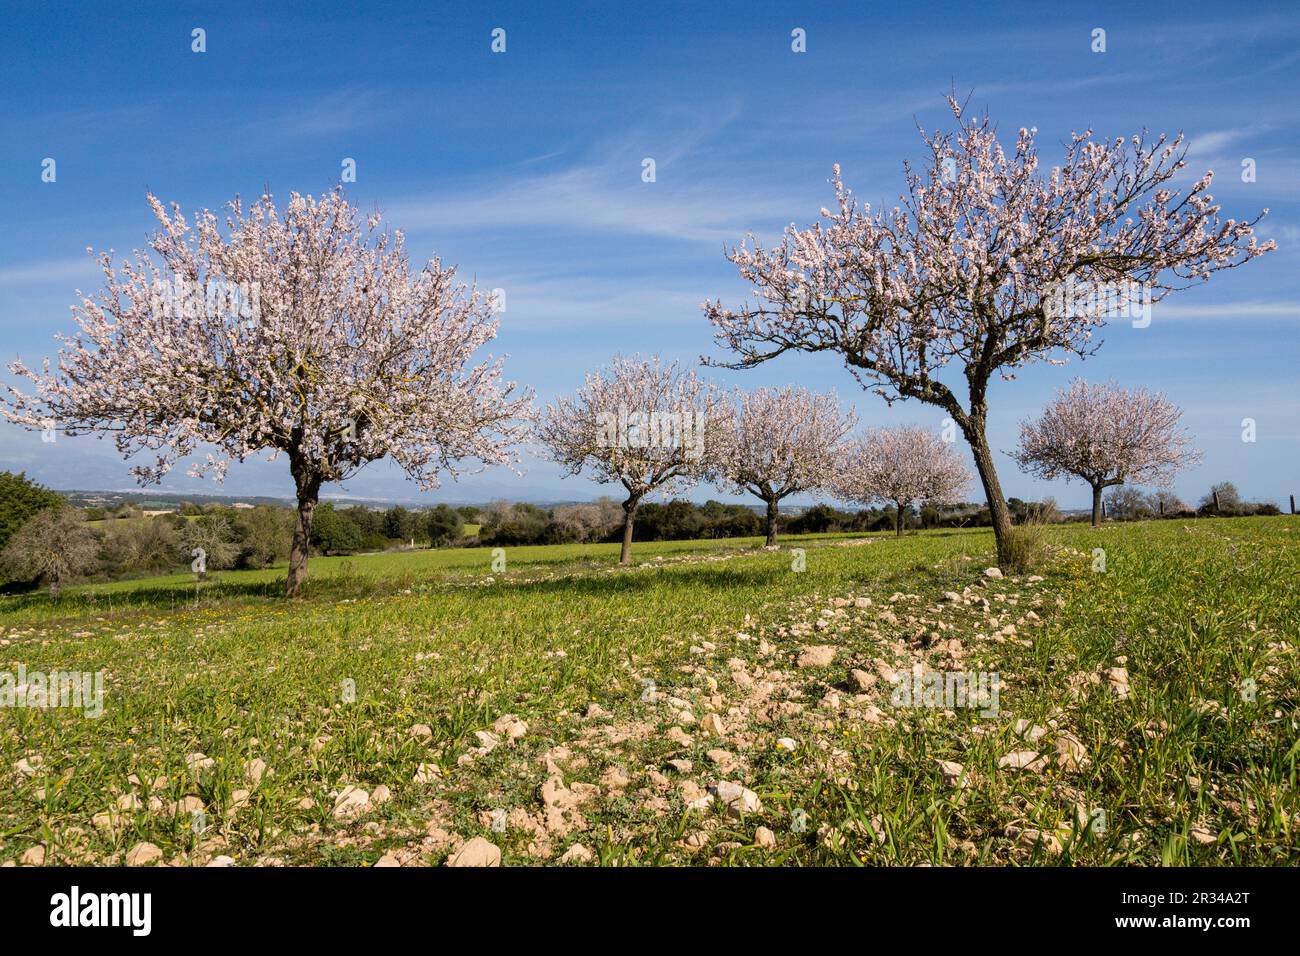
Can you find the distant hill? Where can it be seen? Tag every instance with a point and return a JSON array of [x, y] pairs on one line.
[[158, 500]]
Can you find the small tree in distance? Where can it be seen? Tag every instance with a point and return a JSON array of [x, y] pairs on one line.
[[779, 442], [1223, 496], [52, 547], [301, 331], [645, 424], [1129, 504], [1106, 435], [442, 523], [902, 465], [214, 538]]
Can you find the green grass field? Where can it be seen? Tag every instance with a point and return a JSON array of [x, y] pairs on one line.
[[566, 702]]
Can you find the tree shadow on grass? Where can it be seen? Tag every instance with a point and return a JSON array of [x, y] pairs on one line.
[[581, 576]]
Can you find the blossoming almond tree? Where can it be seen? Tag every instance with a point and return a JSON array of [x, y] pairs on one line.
[[645, 424], [979, 270], [779, 442], [1106, 435], [333, 352], [904, 464]]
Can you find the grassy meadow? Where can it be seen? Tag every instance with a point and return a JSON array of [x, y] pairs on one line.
[[567, 710]]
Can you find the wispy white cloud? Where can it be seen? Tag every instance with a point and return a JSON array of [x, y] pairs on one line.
[[343, 111], [1227, 310], [49, 270], [600, 199], [562, 304], [699, 193]]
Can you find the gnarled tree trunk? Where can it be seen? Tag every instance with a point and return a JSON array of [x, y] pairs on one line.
[[308, 495], [773, 511], [998, 510], [1096, 506], [629, 516], [898, 519]]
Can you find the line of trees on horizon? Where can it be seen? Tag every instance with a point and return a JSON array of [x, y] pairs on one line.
[[986, 264], [46, 542]]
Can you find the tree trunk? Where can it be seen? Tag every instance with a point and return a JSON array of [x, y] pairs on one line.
[[629, 516], [772, 511], [898, 519], [1096, 506], [308, 493], [998, 510]]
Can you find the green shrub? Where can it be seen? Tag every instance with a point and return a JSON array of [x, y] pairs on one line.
[[20, 499]]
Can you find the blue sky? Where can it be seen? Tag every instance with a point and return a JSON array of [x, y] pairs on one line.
[[524, 168]]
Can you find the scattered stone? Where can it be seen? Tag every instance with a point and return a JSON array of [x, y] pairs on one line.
[[739, 799], [765, 838], [861, 680], [993, 572], [577, 854], [724, 759], [35, 856], [222, 860], [255, 769], [1023, 760], [787, 743], [712, 724], [695, 840], [198, 761], [682, 765], [1202, 834], [1070, 753], [477, 852], [818, 655], [437, 838], [421, 731], [381, 795], [1117, 679], [387, 860], [1030, 732], [680, 737], [511, 726], [1035, 838], [562, 803], [695, 796], [954, 774], [351, 803], [142, 854], [427, 773], [187, 806], [595, 710]]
